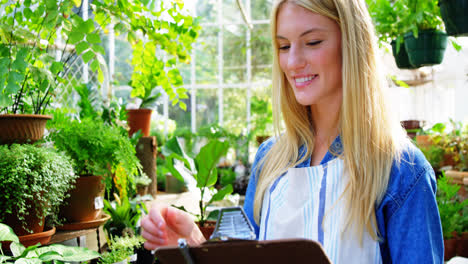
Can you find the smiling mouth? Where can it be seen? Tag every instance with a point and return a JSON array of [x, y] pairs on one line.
[[303, 81]]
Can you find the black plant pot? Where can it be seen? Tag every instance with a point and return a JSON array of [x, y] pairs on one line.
[[454, 14], [428, 49], [401, 57], [144, 256]]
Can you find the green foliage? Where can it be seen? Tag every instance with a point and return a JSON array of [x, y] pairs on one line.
[[142, 179], [30, 75], [35, 180], [37, 254], [450, 207], [393, 18], [125, 215], [96, 148], [121, 248], [202, 168], [262, 116], [154, 28]]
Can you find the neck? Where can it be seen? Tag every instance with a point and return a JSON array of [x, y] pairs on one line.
[[326, 122]]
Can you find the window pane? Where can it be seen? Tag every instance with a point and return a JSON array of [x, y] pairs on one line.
[[261, 53], [234, 53], [261, 9], [207, 107], [206, 10], [235, 109], [181, 117], [231, 12], [206, 54]]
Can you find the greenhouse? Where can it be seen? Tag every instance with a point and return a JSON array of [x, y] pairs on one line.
[[233, 131]]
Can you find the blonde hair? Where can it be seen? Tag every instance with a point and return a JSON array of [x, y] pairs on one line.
[[372, 139]]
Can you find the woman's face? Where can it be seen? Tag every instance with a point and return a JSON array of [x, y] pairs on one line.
[[310, 54]]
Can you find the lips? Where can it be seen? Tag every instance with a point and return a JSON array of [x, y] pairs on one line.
[[301, 81]]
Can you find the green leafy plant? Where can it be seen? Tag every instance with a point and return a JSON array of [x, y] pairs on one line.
[[388, 18], [36, 254], [125, 215], [35, 180], [450, 207], [262, 116], [96, 148], [30, 75], [142, 179], [202, 168]]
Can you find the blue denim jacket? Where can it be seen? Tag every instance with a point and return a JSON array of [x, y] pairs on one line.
[[407, 217]]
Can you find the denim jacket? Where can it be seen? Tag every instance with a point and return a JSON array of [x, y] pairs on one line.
[[407, 217]]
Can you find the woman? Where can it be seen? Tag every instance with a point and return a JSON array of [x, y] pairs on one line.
[[343, 172]]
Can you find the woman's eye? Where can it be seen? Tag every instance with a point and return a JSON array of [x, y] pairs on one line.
[[284, 47], [313, 43]]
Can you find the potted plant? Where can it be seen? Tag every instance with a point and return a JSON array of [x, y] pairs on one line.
[[390, 25], [125, 216], [142, 181], [454, 16], [424, 41], [100, 152], [38, 254], [35, 181], [161, 46], [203, 169], [30, 77], [450, 209]]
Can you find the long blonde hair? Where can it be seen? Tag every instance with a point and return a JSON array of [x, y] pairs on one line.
[[372, 139]]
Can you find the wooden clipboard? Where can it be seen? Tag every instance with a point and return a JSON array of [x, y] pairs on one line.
[[291, 251]]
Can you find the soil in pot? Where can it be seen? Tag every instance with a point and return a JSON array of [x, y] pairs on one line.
[[86, 200], [207, 229]]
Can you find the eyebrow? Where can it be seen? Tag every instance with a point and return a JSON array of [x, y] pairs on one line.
[[303, 33]]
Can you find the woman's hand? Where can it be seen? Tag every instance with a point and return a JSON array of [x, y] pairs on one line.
[[164, 225]]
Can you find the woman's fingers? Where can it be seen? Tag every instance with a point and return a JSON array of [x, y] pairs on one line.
[[179, 221]]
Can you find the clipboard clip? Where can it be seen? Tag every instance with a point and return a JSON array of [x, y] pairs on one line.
[[183, 247]]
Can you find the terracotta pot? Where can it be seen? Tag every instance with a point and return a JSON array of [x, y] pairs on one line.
[[462, 245], [207, 229], [32, 239], [423, 141], [139, 119], [17, 128], [142, 190], [85, 201], [35, 224], [450, 248]]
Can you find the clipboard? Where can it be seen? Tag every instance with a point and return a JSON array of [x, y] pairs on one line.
[[291, 251]]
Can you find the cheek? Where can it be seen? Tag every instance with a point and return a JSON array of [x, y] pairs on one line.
[[283, 61]]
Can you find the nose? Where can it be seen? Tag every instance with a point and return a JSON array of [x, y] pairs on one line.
[[296, 58]]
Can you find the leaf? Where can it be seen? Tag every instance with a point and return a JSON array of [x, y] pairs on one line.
[[77, 3], [75, 36], [88, 56], [17, 249], [56, 67], [100, 75], [455, 45], [7, 234], [5, 101], [93, 38], [67, 253], [221, 194], [98, 49], [80, 47], [94, 65], [207, 160], [51, 4], [86, 27], [28, 261]]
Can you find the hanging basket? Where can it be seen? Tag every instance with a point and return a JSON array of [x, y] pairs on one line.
[[139, 119], [428, 49], [17, 128], [401, 58], [454, 15]]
